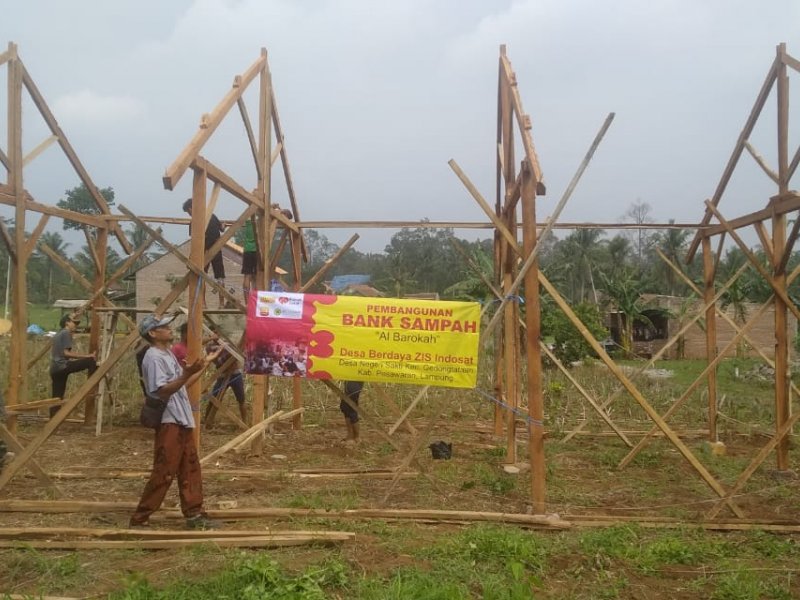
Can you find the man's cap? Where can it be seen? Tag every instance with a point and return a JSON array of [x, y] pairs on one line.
[[150, 322], [187, 204]]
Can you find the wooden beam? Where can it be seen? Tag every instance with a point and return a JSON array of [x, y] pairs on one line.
[[761, 99], [265, 541], [43, 145], [4, 160], [9, 243], [7, 197], [287, 174], [248, 127], [498, 223], [780, 204], [17, 385], [30, 244], [523, 122], [212, 204], [66, 147], [766, 241], [761, 162], [191, 151], [571, 225], [227, 182], [35, 468], [258, 427]]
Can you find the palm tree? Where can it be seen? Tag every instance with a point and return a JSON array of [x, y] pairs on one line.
[[618, 252], [473, 286], [582, 249], [672, 243], [56, 243]]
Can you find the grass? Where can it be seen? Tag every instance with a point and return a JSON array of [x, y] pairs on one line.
[[501, 562]]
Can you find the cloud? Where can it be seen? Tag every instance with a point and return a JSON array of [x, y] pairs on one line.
[[87, 107]]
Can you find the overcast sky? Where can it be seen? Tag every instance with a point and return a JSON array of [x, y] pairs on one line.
[[376, 96]]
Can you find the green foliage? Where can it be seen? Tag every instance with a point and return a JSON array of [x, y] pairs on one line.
[[412, 583], [250, 578], [569, 344], [742, 584], [79, 199]]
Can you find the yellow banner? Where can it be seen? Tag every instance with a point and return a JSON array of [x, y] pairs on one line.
[[419, 342]]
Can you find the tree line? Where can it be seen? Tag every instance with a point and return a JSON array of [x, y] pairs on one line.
[[594, 269]]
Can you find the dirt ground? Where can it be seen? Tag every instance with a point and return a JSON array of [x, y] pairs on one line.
[[582, 480]]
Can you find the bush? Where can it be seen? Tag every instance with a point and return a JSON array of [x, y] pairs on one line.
[[569, 344]]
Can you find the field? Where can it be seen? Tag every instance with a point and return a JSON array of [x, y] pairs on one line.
[[634, 533]]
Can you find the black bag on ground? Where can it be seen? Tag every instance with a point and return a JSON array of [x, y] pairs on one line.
[[441, 450], [151, 413]]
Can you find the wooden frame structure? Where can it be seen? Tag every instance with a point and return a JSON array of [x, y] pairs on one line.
[[515, 264]]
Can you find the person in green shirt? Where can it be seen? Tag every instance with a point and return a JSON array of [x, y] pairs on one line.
[[249, 259]]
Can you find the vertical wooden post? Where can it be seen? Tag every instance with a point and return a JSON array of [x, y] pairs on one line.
[[511, 316], [532, 346], [499, 383], [297, 388], [196, 292], [511, 350], [711, 335], [782, 398], [17, 385], [263, 274], [499, 378], [101, 247]]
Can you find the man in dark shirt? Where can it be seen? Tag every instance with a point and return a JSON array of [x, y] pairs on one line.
[[213, 231], [64, 361]]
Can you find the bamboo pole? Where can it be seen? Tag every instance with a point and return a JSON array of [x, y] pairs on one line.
[[17, 385], [711, 336], [780, 247]]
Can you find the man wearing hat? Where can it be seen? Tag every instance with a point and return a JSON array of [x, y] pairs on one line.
[[175, 451], [63, 361]]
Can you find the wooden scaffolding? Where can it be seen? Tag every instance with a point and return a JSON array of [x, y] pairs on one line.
[[518, 390]]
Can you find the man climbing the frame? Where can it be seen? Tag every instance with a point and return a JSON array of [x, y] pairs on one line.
[[64, 361], [249, 259], [175, 452], [213, 232], [229, 376]]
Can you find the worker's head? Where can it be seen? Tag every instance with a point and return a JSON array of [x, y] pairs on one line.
[[187, 206], [154, 328], [69, 320]]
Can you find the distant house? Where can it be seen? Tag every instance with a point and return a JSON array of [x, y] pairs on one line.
[[352, 285], [668, 314], [154, 281]]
